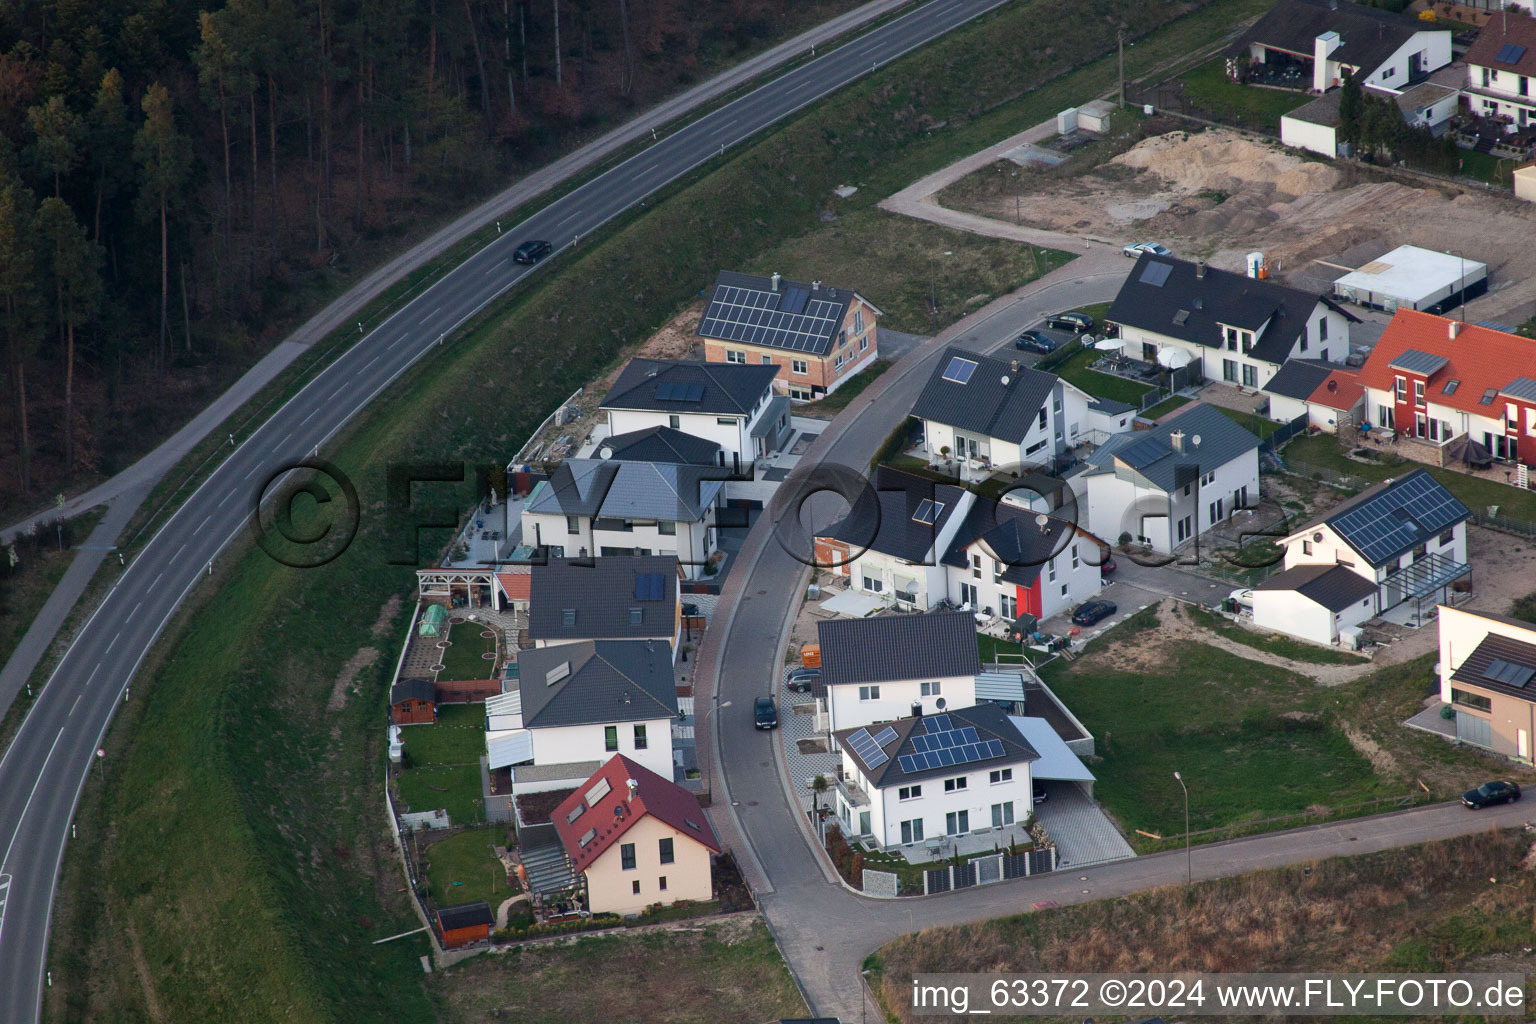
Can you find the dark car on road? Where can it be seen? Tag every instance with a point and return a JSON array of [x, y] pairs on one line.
[[801, 680], [1090, 612], [765, 715], [532, 251], [1491, 793], [1077, 323], [1036, 341]]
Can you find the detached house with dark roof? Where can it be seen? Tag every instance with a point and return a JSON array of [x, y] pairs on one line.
[[732, 405], [1488, 674], [1436, 380], [1232, 328], [1325, 39], [616, 598], [1501, 69], [637, 839], [994, 413], [1402, 540], [1165, 486], [891, 666], [815, 336], [578, 704], [1011, 560], [934, 775], [611, 508]]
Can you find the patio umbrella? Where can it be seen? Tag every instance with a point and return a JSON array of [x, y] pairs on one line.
[[1464, 449], [1173, 358], [1108, 345]]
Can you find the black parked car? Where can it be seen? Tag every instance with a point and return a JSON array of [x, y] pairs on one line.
[[1077, 323], [1035, 341], [1491, 793], [802, 679], [532, 251], [764, 714], [1090, 612]]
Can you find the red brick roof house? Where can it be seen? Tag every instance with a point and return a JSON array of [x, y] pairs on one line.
[[638, 839], [1435, 379]]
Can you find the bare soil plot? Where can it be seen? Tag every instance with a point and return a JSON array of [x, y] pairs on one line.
[[1218, 194]]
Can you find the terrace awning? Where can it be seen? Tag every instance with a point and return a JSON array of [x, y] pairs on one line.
[[1428, 575]]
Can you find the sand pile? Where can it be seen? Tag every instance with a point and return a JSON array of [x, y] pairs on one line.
[[1226, 162]]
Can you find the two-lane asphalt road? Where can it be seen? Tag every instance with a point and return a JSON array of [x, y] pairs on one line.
[[43, 771]]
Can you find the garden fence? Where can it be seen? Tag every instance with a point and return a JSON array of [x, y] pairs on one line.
[[995, 867], [1331, 477]]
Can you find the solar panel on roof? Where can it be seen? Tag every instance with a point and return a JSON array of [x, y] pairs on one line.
[[959, 370], [1399, 517], [649, 586], [1508, 673], [1510, 53], [794, 300], [761, 317], [1156, 274], [885, 736], [864, 745], [1142, 453], [928, 511], [936, 723]]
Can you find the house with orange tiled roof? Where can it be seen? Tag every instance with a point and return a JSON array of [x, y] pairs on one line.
[[636, 839], [1434, 379]]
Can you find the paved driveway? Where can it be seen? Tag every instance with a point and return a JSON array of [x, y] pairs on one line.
[[1083, 832]]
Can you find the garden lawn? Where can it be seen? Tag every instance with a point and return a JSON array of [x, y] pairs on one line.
[[452, 788], [1217, 719], [463, 659], [725, 971], [1258, 426], [1209, 88], [457, 737], [1323, 452], [464, 868], [1166, 406], [846, 392], [1102, 385]]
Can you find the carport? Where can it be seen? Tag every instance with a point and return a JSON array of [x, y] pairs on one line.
[[1057, 763]]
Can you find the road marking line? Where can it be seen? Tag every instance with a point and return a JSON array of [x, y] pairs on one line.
[[227, 496], [306, 419], [429, 316], [373, 360], [5, 889], [279, 446], [132, 613], [92, 676], [114, 640], [76, 703], [202, 524], [157, 577], [22, 817], [491, 269], [175, 556], [252, 472]]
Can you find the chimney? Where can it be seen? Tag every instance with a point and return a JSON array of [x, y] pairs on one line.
[[773, 282], [1453, 328], [917, 709], [633, 787], [1200, 270], [1013, 366], [815, 286], [1177, 440]]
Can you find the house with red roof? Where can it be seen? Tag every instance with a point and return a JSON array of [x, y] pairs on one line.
[[1435, 379], [636, 839]]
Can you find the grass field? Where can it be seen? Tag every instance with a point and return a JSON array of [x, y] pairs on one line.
[[723, 972], [25, 586], [1101, 385], [464, 658], [1323, 452], [838, 400], [1425, 908], [244, 850], [1219, 720], [464, 868], [1208, 87], [1166, 406], [457, 737], [1258, 426]]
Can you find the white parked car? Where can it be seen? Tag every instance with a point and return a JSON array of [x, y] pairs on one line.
[[1243, 598], [1135, 249]]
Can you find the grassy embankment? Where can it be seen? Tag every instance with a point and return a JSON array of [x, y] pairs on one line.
[[1460, 905], [240, 846]]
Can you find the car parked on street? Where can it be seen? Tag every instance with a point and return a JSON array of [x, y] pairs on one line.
[[1135, 249], [801, 680], [1090, 612], [1490, 794], [532, 251], [1036, 341], [765, 714], [1077, 323]]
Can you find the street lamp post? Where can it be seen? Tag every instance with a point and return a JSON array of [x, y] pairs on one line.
[[863, 997], [1189, 873], [718, 704]]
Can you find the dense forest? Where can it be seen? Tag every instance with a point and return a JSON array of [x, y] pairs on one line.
[[179, 179]]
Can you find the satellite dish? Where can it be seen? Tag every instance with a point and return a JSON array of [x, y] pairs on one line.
[[1195, 440], [941, 703], [1042, 520], [1004, 380], [1318, 537], [605, 452]]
